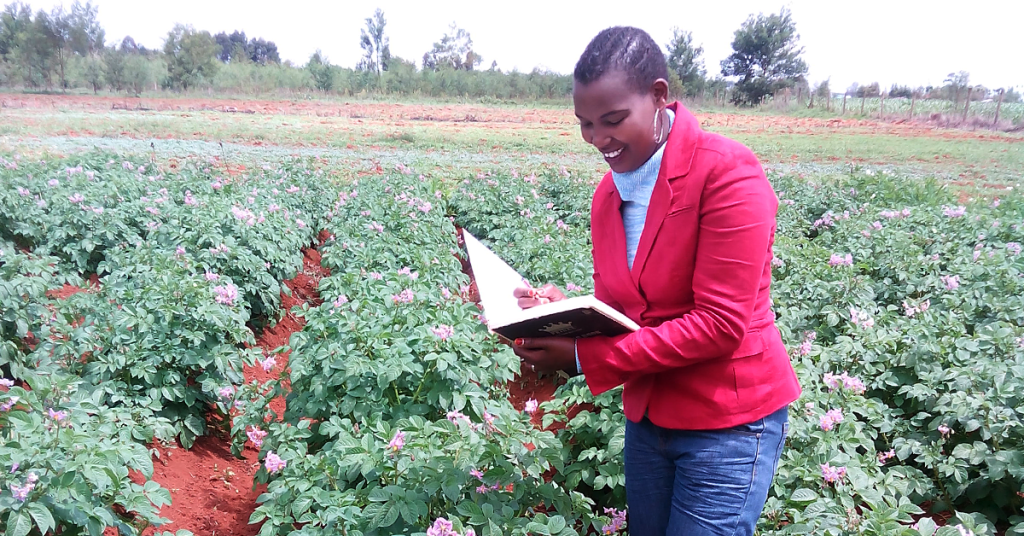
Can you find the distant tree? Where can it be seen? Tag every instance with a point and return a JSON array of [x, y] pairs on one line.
[[262, 51], [1012, 95], [15, 23], [454, 50], [236, 47], [320, 69], [93, 72], [897, 91], [191, 56], [870, 90], [139, 73], [852, 90], [765, 57], [375, 45], [229, 43], [955, 83], [113, 68], [684, 59], [86, 34], [128, 45], [823, 91], [36, 51]]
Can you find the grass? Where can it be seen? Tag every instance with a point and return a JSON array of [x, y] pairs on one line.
[[538, 136]]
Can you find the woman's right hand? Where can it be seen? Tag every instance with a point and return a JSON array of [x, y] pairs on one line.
[[532, 297]]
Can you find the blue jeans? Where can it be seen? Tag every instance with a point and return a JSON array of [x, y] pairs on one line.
[[701, 482]]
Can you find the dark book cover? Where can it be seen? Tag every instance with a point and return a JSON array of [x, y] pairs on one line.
[[575, 323]]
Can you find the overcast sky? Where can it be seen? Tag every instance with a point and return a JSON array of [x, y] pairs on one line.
[[906, 41]]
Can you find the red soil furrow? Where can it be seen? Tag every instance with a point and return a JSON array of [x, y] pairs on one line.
[[212, 491]]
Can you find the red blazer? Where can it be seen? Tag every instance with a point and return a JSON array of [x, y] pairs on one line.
[[708, 354]]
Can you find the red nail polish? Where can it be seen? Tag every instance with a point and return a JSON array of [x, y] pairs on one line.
[[520, 342]]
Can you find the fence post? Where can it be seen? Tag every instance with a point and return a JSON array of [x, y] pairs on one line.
[[862, 99], [995, 124], [967, 105], [844, 103], [913, 99], [881, 106]]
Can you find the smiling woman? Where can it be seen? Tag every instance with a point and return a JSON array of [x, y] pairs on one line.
[[682, 230]]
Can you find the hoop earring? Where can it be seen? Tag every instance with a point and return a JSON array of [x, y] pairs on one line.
[[657, 127]]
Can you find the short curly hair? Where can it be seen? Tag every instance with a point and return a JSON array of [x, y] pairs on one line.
[[623, 48]]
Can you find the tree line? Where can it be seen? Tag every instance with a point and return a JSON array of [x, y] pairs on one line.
[[67, 48]]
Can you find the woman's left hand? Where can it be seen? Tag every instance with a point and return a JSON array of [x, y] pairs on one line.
[[547, 354]]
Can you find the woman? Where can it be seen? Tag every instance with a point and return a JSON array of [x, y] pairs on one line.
[[682, 229]]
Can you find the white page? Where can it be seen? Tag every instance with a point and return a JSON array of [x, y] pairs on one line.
[[495, 280]]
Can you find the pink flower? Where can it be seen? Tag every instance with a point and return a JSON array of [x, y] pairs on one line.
[[53, 183], [342, 300], [944, 430], [861, 318], [4, 382], [76, 198], [406, 296], [300, 224], [274, 463], [397, 442], [853, 384], [831, 381], [226, 392], [441, 527], [831, 418], [23, 192], [256, 436], [1013, 248], [377, 227], [443, 332], [226, 294], [455, 417], [886, 456], [210, 276], [57, 415], [618, 521], [547, 239], [954, 212], [952, 282], [477, 473], [571, 287], [531, 406], [268, 363], [445, 293], [832, 474], [777, 262], [375, 275], [839, 260], [9, 404], [21, 492]]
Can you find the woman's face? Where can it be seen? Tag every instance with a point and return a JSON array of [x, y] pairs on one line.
[[620, 121]]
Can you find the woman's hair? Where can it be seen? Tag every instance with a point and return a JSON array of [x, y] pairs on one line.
[[626, 49]]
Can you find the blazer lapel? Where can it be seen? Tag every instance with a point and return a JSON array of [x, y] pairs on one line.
[[610, 252], [661, 200], [676, 161]]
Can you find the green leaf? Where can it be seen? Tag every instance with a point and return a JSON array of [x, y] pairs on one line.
[[19, 524], [40, 513], [803, 495]]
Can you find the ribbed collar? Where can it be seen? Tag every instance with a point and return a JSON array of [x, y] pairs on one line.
[[637, 186]]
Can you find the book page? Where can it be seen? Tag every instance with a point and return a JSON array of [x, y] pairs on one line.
[[495, 280]]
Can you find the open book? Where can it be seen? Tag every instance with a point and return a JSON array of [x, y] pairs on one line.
[[583, 316]]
